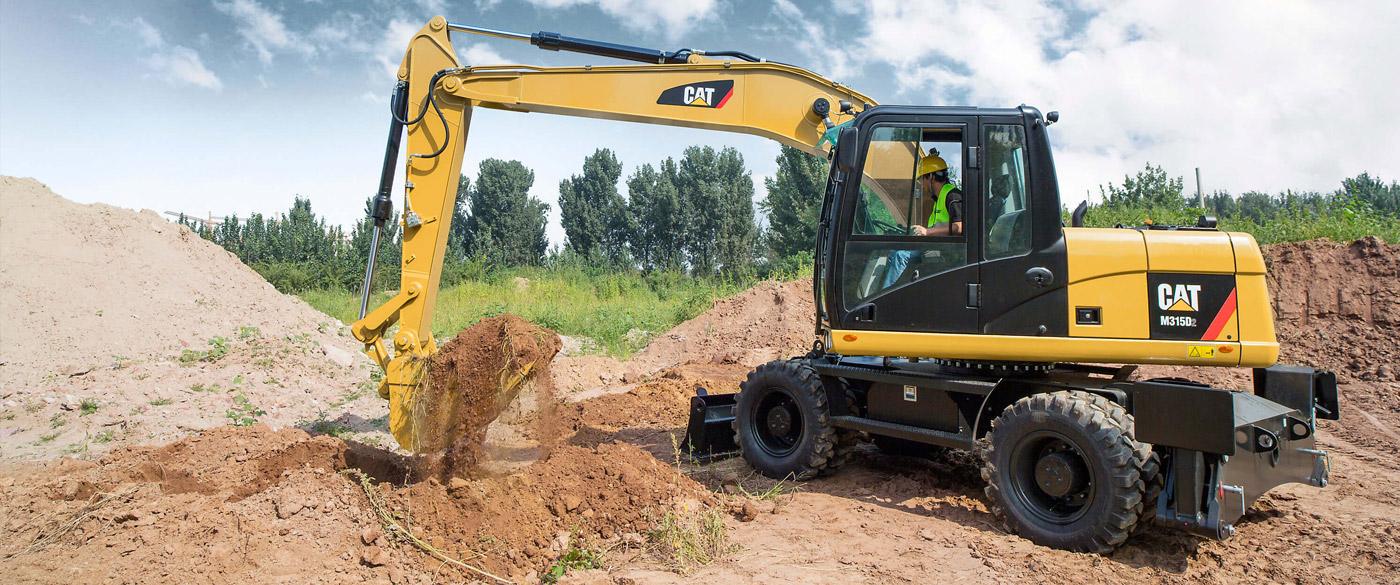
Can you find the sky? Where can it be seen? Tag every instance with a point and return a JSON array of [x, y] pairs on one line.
[[235, 106]]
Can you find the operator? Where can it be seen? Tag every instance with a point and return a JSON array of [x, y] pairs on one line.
[[945, 219]]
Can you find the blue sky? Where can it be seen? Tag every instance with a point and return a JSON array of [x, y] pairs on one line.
[[234, 106]]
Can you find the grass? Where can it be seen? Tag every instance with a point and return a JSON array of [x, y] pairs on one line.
[[49, 437], [88, 406], [689, 538], [106, 436], [57, 420], [604, 306], [160, 402]]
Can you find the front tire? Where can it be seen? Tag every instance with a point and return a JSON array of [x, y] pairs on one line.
[[1064, 472], [782, 423]]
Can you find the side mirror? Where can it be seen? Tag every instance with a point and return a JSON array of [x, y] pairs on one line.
[[846, 147]]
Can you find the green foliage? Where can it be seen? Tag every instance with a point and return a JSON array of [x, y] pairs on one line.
[[243, 413], [88, 406], [567, 295], [219, 346], [1150, 187], [575, 559], [658, 227], [794, 204], [717, 211], [506, 226], [161, 402], [106, 436], [596, 220], [1349, 213]]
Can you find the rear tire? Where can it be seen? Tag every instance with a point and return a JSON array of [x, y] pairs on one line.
[[782, 423], [1064, 471]]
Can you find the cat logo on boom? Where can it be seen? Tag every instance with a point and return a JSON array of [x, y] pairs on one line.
[[708, 94]]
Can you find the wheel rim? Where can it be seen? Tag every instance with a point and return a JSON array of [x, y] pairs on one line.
[[777, 422], [1052, 477]]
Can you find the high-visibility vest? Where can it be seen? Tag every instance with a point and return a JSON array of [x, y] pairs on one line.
[[940, 209]]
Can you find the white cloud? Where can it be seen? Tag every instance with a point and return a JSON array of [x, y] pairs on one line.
[[263, 29], [393, 43], [827, 57], [481, 54], [176, 64], [675, 17], [1260, 95]]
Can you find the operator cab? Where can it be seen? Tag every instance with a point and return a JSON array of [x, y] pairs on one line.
[[881, 276]]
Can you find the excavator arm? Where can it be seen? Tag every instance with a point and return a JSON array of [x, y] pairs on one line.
[[434, 100]]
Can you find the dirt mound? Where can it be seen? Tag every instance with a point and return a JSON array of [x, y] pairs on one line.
[[473, 378], [1337, 306], [253, 504], [85, 283], [772, 320]]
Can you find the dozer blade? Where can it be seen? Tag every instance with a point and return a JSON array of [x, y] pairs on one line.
[[710, 434]]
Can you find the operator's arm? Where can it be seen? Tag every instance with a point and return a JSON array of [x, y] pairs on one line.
[[955, 218]]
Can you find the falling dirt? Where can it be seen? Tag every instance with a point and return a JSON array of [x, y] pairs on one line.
[[472, 380]]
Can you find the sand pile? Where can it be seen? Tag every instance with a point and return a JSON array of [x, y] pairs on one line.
[[84, 283]]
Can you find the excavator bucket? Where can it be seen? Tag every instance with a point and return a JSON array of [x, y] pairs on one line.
[[710, 434]]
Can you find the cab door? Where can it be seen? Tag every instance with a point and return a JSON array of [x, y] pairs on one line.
[[888, 278], [1022, 271]]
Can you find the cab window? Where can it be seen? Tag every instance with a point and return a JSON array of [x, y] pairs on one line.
[[1006, 209], [884, 250]]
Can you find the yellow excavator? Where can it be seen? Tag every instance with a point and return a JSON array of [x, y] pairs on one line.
[[1008, 338]]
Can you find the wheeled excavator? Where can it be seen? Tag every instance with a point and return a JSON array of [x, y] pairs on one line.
[[1016, 338]]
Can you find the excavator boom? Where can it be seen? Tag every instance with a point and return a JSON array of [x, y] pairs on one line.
[[434, 101]]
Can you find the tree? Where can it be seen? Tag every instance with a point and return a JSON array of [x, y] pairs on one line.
[[717, 212], [655, 207], [1151, 187], [386, 262], [506, 226], [794, 203], [596, 219]]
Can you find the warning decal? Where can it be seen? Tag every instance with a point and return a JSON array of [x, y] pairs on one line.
[[1203, 352]]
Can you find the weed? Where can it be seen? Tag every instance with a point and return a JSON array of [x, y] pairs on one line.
[[201, 387], [160, 402], [772, 494], [88, 406], [75, 448], [9, 416], [49, 437], [249, 333], [57, 420], [104, 437], [143, 376], [576, 559], [219, 347], [688, 538], [243, 413], [237, 381]]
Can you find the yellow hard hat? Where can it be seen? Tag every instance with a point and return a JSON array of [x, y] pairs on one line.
[[931, 164]]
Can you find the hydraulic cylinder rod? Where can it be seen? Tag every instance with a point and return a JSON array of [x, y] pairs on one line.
[[383, 205]]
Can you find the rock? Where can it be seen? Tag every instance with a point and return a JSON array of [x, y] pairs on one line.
[[338, 356], [374, 556], [730, 478], [531, 550], [748, 511], [396, 576], [288, 507], [571, 502], [1385, 373], [928, 534], [70, 402], [371, 534], [127, 516], [458, 487], [730, 489]]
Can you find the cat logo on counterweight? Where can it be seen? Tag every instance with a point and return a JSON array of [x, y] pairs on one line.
[[707, 94]]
